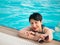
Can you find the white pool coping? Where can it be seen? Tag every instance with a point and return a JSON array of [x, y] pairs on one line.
[[6, 39]]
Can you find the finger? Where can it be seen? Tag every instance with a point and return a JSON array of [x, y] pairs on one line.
[[32, 33], [27, 33]]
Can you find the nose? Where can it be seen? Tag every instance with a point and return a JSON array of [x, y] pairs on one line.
[[34, 25]]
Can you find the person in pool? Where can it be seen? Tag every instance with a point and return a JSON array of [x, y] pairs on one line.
[[36, 31]]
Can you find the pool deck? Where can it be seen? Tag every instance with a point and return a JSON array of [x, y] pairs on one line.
[[14, 32]]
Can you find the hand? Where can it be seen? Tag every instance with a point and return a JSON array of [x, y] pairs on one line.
[[42, 36], [30, 34]]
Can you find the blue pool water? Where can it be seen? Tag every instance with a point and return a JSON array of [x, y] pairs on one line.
[[15, 13]]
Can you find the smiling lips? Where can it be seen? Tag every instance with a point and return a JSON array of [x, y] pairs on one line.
[[34, 28]]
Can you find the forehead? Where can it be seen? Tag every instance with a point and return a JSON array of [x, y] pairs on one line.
[[32, 20]]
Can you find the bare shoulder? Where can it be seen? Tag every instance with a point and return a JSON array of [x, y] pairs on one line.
[[46, 29]]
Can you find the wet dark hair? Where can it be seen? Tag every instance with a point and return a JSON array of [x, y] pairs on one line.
[[36, 16]]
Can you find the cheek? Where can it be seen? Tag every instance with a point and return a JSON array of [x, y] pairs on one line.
[[38, 25]]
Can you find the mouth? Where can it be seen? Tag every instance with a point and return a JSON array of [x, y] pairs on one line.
[[34, 28]]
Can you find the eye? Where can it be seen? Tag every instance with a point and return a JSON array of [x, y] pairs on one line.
[[35, 22], [31, 23]]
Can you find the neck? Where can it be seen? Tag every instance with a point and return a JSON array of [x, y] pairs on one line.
[[40, 29]]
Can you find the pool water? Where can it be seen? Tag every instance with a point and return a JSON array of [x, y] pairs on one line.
[[15, 13]]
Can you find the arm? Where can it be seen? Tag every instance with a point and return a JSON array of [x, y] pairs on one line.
[[49, 32], [26, 33], [48, 36]]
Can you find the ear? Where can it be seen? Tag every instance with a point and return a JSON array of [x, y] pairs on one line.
[[41, 22]]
